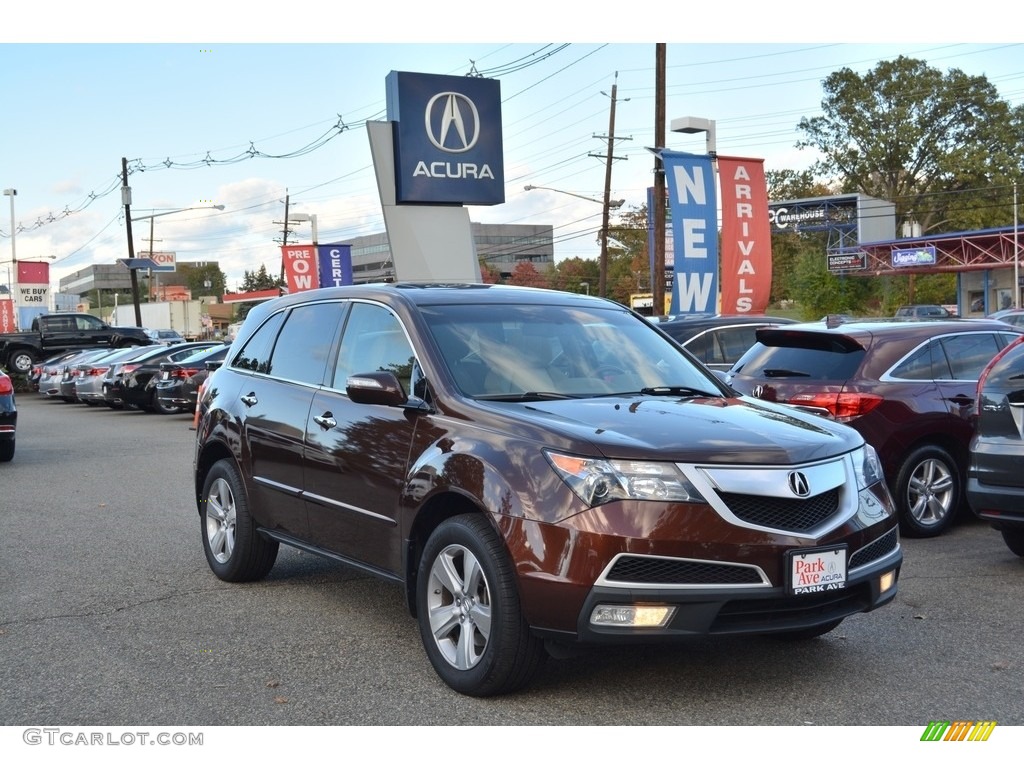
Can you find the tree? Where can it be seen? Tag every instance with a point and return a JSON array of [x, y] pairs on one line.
[[524, 273], [259, 280], [942, 147], [196, 277]]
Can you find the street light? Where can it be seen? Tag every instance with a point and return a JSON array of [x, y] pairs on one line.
[[611, 203], [606, 205], [697, 125], [310, 217], [151, 216]]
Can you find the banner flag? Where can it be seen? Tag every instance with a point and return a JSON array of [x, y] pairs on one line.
[[694, 210], [746, 236], [335, 264], [299, 267]]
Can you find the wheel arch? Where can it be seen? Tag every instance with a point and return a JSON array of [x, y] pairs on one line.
[[212, 452], [435, 511]]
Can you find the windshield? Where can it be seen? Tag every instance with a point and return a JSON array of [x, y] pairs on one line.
[[498, 350]]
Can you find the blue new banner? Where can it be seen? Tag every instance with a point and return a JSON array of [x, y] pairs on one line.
[[694, 210], [335, 265]]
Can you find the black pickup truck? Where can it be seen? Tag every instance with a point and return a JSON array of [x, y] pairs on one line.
[[52, 334]]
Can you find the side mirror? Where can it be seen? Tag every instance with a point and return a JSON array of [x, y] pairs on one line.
[[379, 388]]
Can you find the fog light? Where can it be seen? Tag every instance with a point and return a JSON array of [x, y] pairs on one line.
[[632, 615], [886, 581]]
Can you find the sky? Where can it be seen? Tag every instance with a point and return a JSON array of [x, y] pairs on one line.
[[224, 105]]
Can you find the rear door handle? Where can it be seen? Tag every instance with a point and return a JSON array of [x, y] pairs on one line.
[[249, 399]]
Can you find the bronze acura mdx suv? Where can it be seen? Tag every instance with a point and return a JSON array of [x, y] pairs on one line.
[[536, 469]]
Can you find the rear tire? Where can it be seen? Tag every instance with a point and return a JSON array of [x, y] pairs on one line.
[[21, 361], [234, 548], [7, 450]]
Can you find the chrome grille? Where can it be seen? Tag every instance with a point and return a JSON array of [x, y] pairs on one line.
[[798, 515], [653, 570]]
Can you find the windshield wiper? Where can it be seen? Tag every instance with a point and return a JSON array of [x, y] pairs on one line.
[[776, 373], [677, 390], [526, 397]]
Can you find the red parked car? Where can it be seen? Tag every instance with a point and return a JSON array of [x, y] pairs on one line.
[[907, 386]]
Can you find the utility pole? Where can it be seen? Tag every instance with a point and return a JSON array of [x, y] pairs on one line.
[[284, 237], [126, 198], [606, 207], [658, 278]]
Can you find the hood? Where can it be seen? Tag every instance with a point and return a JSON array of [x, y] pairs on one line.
[[668, 428]]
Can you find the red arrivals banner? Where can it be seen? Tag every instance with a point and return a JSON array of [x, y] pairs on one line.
[[746, 236], [300, 267]]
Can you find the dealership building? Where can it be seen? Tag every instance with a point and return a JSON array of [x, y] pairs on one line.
[[499, 246]]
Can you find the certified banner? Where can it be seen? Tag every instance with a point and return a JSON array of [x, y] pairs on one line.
[[746, 236], [300, 267], [335, 265], [694, 210]]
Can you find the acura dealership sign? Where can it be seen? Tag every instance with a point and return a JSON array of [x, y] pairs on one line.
[[447, 139]]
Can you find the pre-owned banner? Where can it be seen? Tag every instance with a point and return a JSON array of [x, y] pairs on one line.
[[746, 236], [300, 267], [335, 265], [694, 210]]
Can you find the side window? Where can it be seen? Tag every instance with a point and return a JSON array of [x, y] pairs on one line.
[[304, 344], [919, 366], [733, 342], [373, 341], [702, 347], [969, 353], [255, 355], [87, 323]]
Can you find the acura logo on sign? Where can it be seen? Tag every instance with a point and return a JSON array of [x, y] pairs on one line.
[[452, 122], [798, 484]]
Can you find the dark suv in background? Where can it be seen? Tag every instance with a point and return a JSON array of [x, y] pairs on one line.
[[907, 386], [535, 469], [995, 481], [718, 341]]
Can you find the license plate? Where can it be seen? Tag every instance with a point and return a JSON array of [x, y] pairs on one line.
[[165, 375], [817, 570]]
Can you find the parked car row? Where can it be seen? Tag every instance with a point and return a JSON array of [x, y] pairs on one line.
[[155, 378]]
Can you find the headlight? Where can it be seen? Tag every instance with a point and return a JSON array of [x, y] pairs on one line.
[[868, 467], [598, 481]]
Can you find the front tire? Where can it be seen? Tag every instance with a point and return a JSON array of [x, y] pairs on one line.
[[234, 548], [927, 492], [469, 614], [1014, 538]]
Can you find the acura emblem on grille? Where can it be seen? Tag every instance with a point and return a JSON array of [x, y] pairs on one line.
[[798, 484]]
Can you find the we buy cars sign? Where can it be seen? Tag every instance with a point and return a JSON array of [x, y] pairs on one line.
[[300, 267]]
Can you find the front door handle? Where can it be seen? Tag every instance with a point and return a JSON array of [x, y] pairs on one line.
[[326, 421]]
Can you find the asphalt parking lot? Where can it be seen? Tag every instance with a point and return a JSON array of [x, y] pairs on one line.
[[109, 615]]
